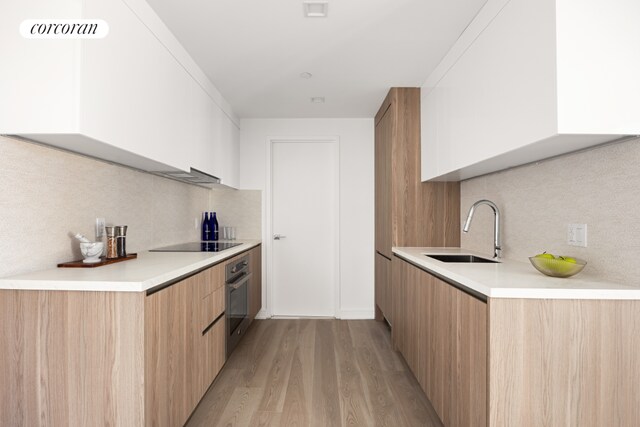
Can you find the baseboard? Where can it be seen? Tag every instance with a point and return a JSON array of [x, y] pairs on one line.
[[262, 314], [302, 317], [357, 314], [344, 314]]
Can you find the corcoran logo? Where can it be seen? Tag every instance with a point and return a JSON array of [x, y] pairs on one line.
[[64, 28]]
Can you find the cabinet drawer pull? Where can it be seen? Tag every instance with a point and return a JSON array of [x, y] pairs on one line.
[[213, 323]]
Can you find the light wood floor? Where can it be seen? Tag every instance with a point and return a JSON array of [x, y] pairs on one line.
[[327, 373]]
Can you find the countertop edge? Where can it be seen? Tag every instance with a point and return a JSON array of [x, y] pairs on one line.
[[595, 291], [26, 284]]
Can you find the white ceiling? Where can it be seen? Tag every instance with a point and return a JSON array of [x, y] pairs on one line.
[[254, 50]]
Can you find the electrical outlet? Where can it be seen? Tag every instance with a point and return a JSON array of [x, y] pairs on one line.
[[577, 235], [99, 227], [196, 223]]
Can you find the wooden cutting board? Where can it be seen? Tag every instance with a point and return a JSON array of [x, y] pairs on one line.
[[104, 261]]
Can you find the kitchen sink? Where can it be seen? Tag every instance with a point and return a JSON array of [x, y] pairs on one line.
[[461, 258]]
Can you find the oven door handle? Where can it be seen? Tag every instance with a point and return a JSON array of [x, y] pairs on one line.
[[238, 283]]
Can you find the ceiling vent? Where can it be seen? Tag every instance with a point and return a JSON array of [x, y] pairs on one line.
[[315, 9]]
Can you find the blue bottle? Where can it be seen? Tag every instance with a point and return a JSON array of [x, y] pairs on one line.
[[206, 227], [214, 226]]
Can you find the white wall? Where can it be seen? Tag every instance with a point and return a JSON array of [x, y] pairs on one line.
[[356, 195]]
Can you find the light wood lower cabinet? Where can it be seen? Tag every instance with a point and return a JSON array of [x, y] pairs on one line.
[[184, 345], [71, 358], [255, 284], [517, 362], [210, 332], [441, 332], [169, 354], [215, 355], [110, 358], [382, 291], [564, 362]]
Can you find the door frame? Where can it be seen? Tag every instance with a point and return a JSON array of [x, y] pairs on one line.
[[269, 215]]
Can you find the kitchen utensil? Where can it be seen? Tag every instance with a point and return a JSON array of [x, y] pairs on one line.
[[91, 251], [112, 245], [121, 240], [81, 238]]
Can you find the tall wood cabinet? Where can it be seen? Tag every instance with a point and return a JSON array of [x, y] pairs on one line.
[[407, 212]]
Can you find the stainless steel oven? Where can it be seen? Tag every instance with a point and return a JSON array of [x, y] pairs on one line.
[[237, 275]]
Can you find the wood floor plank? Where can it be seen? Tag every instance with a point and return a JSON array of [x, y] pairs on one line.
[[306, 347], [360, 333], [353, 403], [241, 407], [389, 359], [214, 401], [306, 332], [326, 405], [244, 352], [259, 361], [266, 419], [296, 404], [377, 390], [412, 401], [310, 372], [274, 387]]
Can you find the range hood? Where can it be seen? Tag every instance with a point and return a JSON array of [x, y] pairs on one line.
[[194, 176]]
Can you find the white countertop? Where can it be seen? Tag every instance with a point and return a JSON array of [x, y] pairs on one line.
[[514, 279], [150, 269]]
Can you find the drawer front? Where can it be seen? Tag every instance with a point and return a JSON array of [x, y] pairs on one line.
[[212, 306], [213, 279], [215, 352]]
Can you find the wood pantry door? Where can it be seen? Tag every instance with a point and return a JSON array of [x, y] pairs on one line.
[[304, 219]]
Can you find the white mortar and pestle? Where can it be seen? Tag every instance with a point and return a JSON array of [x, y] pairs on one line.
[[91, 251]]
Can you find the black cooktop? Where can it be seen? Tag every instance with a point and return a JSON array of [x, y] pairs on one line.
[[197, 247]]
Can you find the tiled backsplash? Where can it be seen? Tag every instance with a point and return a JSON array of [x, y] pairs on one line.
[[47, 193], [239, 209], [599, 187]]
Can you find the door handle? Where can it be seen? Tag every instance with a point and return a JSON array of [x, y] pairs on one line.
[[278, 236]]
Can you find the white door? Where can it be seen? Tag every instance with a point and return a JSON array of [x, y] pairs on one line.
[[304, 206]]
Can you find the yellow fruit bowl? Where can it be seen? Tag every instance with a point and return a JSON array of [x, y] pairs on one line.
[[557, 267]]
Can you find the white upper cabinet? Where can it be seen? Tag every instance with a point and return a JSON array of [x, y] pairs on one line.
[[37, 77], [229, 154], [134, 97], [530, 80]]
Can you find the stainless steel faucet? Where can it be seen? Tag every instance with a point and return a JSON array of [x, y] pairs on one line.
[[497, 246]]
